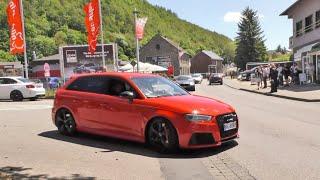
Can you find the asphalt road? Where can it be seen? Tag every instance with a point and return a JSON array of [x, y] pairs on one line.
[[279, 139]]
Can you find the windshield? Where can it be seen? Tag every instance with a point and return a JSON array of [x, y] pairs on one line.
[[182, 78], [158, 87]]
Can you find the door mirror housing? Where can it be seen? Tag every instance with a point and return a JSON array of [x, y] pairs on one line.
[[127, 94]]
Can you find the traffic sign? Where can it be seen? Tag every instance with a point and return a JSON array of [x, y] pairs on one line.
[[133, 63]]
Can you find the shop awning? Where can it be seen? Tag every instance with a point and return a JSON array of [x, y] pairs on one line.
[[315, 48]]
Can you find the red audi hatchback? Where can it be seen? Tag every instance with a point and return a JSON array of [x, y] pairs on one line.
[[144, 108]]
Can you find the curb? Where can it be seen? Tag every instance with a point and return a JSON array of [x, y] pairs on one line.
[[275, 95]]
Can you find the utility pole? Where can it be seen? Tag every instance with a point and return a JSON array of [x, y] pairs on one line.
[[135, 12], [101, 32], [24, 41]]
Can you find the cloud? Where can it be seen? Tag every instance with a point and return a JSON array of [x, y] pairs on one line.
[[235, 17], [232, 17]]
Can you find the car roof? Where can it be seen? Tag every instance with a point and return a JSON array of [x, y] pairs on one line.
[[117, 74], [184, 76], [12, 77]]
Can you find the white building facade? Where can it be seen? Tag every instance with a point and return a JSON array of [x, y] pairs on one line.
[[305, 42]]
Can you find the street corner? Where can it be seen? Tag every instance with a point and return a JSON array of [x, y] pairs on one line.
[[304, 93]]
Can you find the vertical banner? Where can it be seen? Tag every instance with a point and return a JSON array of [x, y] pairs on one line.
[[92, 22], [140, 24], [15, 27]]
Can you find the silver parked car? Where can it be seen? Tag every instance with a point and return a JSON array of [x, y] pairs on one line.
[[186, 81]]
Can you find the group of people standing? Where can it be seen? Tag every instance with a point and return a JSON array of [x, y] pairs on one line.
[[279, 75]]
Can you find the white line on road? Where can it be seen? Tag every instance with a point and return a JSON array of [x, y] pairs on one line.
[[25, 107]]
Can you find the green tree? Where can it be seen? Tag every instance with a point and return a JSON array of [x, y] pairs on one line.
[[279, 49], [250, 40], [52, 23]]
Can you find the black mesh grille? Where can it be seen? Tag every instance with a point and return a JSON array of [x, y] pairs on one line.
[[227, 118], [201, 139]]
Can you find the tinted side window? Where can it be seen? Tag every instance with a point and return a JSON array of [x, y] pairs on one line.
[[94, 84], [117, 86], [9, 81]]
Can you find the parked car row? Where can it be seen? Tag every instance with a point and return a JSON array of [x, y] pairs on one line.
[[18, 88]]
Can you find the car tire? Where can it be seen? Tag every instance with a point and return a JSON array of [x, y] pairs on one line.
[[65, 122], [16, 96], [162, 136], [221, 83], [193, 88], [34, 99]]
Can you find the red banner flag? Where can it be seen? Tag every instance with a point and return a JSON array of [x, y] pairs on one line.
[[15, 26], [140, 23], [92, 21]]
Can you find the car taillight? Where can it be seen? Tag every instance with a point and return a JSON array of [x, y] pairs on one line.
[[30, 86]]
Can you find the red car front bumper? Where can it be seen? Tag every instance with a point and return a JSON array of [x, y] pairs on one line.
[[205, 134]]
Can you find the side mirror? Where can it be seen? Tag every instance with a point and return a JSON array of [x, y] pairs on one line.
[[127, 94]]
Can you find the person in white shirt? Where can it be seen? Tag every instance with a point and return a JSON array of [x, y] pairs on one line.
[[280, 74], [265, 76]]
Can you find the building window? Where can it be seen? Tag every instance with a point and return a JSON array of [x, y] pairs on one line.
[[158, 46], [308, 24], [317, 19], [298, 28]]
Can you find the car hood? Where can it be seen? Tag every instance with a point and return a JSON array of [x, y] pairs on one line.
[[197, 78], [191, 103], [184, 81]]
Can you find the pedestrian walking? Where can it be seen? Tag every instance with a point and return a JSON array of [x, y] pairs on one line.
[[286, 73], [280, 75], [274, 78], [258, 76], [265, 76], [294, 74]]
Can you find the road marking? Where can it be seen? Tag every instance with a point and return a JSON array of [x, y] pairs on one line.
[[24, 107]]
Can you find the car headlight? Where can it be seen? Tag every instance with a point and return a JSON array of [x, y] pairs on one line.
[[197, 117], [191, 83]]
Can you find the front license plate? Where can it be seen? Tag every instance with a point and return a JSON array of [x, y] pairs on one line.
[[230, 125]]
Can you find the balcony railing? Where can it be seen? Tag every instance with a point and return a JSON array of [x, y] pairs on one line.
[[307, 29]]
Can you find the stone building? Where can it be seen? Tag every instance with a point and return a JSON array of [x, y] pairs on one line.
[[206, 62], [163, 52]]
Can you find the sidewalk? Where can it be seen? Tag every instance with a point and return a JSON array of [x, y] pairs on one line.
[[306, 93]]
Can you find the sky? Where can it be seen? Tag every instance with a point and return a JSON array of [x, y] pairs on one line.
[[222, 16]]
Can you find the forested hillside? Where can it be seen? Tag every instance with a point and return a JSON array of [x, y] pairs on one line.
[[52, 23]]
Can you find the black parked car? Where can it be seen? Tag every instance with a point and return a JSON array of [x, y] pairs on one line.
[[246, 75], [216, 78]]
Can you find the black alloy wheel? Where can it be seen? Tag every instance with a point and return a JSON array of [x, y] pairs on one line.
[[65, 122], [163, 136], [16, 96]]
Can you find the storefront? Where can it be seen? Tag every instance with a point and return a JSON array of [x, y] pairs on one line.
[[314, 60], [308, 60]]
